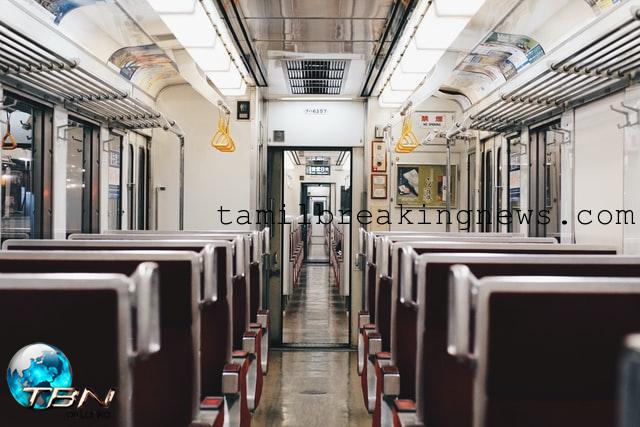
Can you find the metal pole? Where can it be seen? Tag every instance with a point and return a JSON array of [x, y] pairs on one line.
[[181, 183], [448, 186]]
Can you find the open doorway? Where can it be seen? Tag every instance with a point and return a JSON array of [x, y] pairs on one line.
[[316, 200], [315, 190]]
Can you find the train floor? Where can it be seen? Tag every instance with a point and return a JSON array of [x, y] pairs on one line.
[[316, 315], [309, 386]]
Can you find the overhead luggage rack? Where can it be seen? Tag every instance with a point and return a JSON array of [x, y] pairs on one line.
[[608, 64], [30, 64]]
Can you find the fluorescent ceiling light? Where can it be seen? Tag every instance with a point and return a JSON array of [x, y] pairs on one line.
[[390, 96], [441, 25], [458, 7], [173, 6], [240, 91], [211, 58], [416, 60], [308, 98], [401, 81], [191, 24], [230, 79], [192, 29], [439, 32]]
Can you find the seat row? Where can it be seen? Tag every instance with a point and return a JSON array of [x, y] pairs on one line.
[[338, 245], [293, 251], [172, 321], [494, 331]]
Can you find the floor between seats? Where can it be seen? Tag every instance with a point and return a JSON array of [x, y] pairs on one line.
[[312, 388]]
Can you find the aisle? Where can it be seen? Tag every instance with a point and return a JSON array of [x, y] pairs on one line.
[[316, 313], [312, 389]]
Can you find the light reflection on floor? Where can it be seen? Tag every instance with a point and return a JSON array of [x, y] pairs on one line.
[[316, 313], [312, 388]]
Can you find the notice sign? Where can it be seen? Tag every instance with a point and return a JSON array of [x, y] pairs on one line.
[[430, 120]]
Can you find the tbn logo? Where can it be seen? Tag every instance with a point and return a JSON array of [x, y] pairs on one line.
[[39, 377], [65, 397]]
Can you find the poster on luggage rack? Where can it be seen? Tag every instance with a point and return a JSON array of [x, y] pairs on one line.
[[115, 38], [59, 8], [425, 185], [600, 6], [499, 58]]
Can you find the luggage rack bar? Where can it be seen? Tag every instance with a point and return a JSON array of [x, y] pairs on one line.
[[607, 64], [29, 63]]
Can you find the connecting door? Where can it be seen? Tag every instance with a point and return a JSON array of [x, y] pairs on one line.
[[544, 181]]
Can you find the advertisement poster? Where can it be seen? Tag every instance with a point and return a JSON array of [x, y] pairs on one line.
[[116, 39], [59, 8], [420, 185], [493, 62], [146, 65], [600, 6]]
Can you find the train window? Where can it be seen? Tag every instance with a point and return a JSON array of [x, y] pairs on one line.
[[498, 184], [471, 191], [82, 177], [141, 187], [130, 189], [23, 183], [514, 182], [76, 173], [488, 190], [114, 210]]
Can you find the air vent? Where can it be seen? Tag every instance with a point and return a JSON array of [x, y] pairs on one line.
[[316, 77]]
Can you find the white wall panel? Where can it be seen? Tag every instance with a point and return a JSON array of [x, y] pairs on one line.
[[212, 178], [598, 169], [317, 124]]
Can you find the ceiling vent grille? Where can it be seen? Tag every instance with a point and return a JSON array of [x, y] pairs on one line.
[[316, 77]]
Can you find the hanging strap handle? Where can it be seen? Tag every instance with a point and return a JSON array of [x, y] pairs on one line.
[[8, 140]]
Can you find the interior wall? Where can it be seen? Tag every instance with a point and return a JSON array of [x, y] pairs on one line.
[[598, 169], [435, 153], [212, 178], [376, 117], [317, 124]]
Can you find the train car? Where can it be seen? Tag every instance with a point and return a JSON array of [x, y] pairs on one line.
[[320, 213]]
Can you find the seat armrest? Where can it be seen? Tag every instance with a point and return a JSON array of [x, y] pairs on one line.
[[364, 327], [211, 413], [404, 413], [263, 319], [390, 381], [234, 387], [252, 345], [374, 343], [386, 379], [363, 318]]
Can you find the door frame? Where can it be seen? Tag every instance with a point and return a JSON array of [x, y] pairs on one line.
[[277, 241]]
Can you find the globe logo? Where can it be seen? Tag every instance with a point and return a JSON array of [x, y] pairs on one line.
[[38, 365]]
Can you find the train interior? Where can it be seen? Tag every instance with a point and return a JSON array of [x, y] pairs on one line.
[[320, 213]]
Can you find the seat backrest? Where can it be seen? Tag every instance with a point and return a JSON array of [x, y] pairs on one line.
[[547, 349], [384, 263], [179, 288], [629, 383], [369, 255], [88, 317], [217, 325], [248, 247], [386, 306], [436, 314]]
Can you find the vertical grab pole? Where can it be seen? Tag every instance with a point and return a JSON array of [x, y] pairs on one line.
[[448, 186], [181, 214]]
